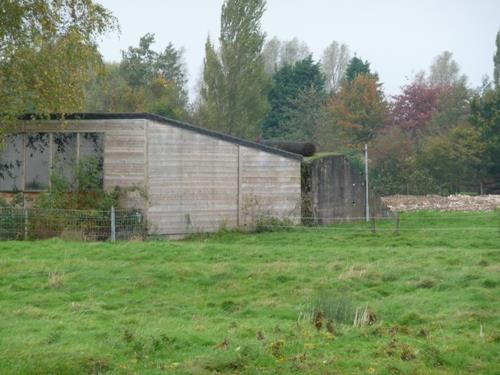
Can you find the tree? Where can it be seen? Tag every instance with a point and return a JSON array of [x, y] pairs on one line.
[[293, 51], [277, 53], [234, 84], [287, 85], [391, 158], [357, 67], [145, 80], [271, 55], [485, 116], [359, 110], [453, 107], [413, 109], [141, 65], [453, 160], [444, 71], [304, 118], [496, 62], [48, 53], [112, 93], [334, 64]]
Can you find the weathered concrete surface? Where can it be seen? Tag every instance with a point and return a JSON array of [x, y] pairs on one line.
[[187, 179], [198, 183], [333, 190]]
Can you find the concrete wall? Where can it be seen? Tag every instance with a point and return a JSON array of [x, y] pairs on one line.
[[334, 191], [269, 186], [198, 183], [192, 181], [124, 151]]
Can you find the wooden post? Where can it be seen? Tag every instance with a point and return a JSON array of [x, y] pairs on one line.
[[373, 226], [113, 225], [367, 202], [25, 223], [498, 210]]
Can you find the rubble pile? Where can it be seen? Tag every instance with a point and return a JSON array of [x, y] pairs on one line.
[[439, 203]]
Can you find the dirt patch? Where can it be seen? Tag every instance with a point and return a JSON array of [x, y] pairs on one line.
[[436, 202]]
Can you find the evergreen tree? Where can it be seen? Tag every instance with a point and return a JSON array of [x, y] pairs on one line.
[[288, 84], [356, 67], [234, 80]]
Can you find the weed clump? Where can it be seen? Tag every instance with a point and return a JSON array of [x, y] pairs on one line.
[[273, 224], [97, 365], [426, 283], [229, 306], [433, 356], [55, 280], [411, 318], [489, 284], [330, 306], [277, 349]]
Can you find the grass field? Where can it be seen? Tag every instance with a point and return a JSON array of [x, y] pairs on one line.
[[250, 303]]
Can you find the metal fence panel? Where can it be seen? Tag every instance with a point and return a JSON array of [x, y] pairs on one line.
[[86, 225]]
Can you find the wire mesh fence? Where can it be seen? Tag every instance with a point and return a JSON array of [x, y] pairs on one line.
[[425, 222], [122, 224], [83, 225]]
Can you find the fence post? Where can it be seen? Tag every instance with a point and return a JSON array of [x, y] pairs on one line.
[[498, 210], [398, 223], [25, 224], [373, 226], [367, 201], [113, 225]]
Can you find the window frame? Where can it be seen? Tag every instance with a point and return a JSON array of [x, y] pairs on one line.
[[51, 133]]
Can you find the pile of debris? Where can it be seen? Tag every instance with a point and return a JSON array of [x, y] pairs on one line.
[[439, 203]]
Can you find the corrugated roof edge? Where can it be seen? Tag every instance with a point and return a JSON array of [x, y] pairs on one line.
[[163, 120]]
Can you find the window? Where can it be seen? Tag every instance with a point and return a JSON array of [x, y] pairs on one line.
[[91, 161], [64, 157], [37, 162], [76, 158], [11, 163]]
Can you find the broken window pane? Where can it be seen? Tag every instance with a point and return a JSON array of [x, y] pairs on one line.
[[64, 158], [11, 163], [91, 162], [37, 162]]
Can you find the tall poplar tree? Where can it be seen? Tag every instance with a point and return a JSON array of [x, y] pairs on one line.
[[233, 92], [496, 62]]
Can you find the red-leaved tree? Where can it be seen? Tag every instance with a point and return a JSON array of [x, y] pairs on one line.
[[413, 109]]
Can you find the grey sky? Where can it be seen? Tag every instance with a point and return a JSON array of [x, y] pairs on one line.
[[398, 37]]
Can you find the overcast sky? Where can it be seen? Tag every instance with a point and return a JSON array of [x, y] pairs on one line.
[[398, 37]]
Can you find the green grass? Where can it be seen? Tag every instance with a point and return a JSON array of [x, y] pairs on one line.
[[244, 303]]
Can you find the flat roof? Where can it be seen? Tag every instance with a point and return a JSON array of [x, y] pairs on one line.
[[162, 120]]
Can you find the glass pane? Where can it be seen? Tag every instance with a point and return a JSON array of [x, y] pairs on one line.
[[91, 162], [11, 163], [37, 162], [64, 157]]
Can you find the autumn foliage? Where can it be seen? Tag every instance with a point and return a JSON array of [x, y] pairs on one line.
[[414, 107], [360, 109]]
